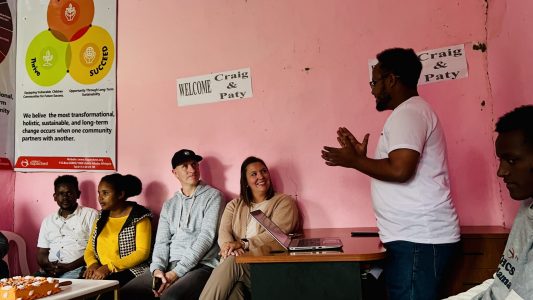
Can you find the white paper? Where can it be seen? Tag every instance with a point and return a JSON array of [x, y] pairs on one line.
[[447, 63], [215, 87]]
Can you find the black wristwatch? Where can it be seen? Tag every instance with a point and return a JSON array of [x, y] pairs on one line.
[[244, 244]]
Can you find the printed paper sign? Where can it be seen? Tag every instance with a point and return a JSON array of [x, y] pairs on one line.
[[66, 86], [8, 35], [216, 87], [448, 63]]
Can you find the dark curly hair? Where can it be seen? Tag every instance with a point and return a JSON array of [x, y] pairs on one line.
[[520, 118], [129, 184], [403, 63], [67, 180]]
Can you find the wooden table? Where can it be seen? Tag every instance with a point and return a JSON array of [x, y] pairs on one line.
[[84, 289], [313, 275], [481, 250]]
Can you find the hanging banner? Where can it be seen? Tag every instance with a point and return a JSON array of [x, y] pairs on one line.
[[215, 87], [8, 35], [448, 63], [66, 86]]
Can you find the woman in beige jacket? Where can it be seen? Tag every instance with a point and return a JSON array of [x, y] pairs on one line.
[[239, 232]]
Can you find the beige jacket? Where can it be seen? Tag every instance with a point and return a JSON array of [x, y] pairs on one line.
[[282, 210]]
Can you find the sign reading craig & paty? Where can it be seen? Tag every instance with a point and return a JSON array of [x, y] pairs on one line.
[[215, 87], [440, 64]]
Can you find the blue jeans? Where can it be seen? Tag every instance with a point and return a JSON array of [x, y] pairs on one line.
[[415, 271], [74, 274]]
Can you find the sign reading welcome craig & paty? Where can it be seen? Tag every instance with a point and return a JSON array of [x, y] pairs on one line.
[[447, 63], [215, 87]]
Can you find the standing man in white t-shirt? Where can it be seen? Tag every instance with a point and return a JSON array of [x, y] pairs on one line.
[[410, 188]]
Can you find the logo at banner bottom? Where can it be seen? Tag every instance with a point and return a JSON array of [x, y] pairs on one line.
[[65, 163]]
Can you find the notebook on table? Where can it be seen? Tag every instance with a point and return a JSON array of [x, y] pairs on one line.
[[295, 244]]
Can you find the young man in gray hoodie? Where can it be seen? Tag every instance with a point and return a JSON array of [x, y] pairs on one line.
[[514, 148], [185, 250]]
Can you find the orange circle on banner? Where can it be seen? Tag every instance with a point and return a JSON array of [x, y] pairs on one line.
[[70, 19], [92, 56]]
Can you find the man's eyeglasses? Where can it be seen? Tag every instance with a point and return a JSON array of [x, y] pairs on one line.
[[374, 82]]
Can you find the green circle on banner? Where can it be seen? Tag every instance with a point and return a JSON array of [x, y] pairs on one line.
[[46, 59], [92, 56]]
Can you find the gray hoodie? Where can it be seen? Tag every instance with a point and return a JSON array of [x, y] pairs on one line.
[[514, 277], [187, 231]]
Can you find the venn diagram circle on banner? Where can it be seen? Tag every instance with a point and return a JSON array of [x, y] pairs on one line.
[[46, 59], [69, 20], [6, 29], [92, 56], [71, 45]]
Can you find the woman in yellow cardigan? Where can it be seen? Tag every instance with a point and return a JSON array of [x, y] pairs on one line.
[[239, 232], [120, 243]]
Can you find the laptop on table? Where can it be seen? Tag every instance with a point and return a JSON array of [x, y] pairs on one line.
[[295, 244]]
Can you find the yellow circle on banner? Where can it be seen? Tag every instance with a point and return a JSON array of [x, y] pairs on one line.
[[92, 56], [46, 59]]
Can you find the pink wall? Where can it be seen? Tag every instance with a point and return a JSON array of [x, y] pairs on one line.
[[7, 188], [294, 112]]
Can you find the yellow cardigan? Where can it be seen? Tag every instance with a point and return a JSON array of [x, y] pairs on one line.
[[107, 245]]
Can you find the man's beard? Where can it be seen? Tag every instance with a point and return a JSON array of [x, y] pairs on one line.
[[383, 100]]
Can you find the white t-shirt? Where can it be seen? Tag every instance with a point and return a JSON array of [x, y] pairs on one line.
[[252, 226], [421, 209], [67, 237]]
